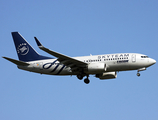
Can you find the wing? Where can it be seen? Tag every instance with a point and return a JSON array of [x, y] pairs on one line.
[[66, 60]]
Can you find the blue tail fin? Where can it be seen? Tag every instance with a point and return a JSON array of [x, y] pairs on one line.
[[24, 50]]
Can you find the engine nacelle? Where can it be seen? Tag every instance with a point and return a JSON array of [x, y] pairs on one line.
[[107, 75], [96, 67]]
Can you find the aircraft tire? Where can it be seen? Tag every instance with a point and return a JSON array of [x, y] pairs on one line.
[[80, 76], [138, 74], [87, 81]]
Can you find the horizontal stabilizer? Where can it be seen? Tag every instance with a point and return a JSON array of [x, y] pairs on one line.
[[17, 62]]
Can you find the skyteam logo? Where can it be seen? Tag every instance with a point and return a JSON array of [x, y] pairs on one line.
[[23, 49]]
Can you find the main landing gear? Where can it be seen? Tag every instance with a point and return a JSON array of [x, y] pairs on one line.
[[80, 76], [86, 80]]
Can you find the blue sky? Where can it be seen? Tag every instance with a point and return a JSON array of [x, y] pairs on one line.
[[78, 28]]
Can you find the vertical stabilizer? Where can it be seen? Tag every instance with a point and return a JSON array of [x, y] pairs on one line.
[[24, 50]]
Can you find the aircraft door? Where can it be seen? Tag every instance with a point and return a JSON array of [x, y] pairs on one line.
[[133, 58]]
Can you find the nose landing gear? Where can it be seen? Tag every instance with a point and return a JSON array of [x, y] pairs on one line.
[[138, 74], [141, 69]]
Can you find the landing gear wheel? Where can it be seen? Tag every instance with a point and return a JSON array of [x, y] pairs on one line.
[[86, 81], [138, 74], [80, 76]]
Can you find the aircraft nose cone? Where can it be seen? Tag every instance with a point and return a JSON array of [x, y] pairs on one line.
[[152, 61]]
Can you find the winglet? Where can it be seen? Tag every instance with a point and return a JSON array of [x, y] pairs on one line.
[[38, 42]]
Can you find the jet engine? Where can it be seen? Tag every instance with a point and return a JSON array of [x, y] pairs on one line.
[[107, 75], [96, 67]]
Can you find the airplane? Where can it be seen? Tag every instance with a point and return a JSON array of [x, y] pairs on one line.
[[102, 66]]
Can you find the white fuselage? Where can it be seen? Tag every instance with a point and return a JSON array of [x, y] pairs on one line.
[[113, 62], [102, 66]]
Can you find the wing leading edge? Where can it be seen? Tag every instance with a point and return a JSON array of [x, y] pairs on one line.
[[66, 60]]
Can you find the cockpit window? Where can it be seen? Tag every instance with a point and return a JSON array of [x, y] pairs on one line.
[[144, 57]]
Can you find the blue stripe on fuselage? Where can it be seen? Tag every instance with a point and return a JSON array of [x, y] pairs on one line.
[[55, 68], [49, 65], [60, 70]]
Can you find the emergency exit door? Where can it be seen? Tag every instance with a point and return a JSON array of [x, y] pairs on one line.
[[133, 58]]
